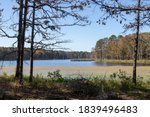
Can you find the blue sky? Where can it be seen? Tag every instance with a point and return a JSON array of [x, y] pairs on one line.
[[82, 38]]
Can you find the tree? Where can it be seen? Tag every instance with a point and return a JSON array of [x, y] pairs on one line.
[[43, 20], [19, 39], [112, 37], [119, 10], [122, 47], [32, 42], [136, 42], [51, 21]]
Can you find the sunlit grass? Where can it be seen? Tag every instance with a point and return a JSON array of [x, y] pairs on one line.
[[122, 61]]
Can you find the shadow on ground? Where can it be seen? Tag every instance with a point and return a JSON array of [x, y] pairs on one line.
[[74, 89]]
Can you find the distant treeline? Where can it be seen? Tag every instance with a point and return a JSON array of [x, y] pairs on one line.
[[122, 47], [9, 53]]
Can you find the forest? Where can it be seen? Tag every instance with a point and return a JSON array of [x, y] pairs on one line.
[[9, 53], [121, 47]]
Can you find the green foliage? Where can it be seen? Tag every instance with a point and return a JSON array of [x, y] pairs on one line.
[[118, 82], [83, 87], [106, 84], [39, 76], [126, 82], [5, 74], [113, 37], [55, 76], [39, 81]]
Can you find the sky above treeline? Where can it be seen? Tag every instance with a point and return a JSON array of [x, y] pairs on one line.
[[83, 38]]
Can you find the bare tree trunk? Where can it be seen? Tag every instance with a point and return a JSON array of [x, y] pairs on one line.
[[19, 39], [136, 44], [23, 40], [32, 43]]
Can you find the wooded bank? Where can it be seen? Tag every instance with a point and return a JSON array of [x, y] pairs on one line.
[[9, 53], [122, 47]]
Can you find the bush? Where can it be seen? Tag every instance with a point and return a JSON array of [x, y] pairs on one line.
[[126, 81], [55, 76], [106, 84], [83, 87]]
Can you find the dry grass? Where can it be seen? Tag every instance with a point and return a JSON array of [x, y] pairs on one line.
[[143, 71]]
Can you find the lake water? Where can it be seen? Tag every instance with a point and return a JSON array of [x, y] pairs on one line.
[[51, 63], [62, 63]]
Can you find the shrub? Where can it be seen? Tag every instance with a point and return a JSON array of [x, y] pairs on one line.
[[82, 87], [4, 74], [106, 84], [55, 76], [101, 83], [126, 81]]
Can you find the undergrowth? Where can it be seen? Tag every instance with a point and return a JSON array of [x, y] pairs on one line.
[[86, 85]]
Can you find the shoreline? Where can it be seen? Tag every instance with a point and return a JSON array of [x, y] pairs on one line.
[[143, 71]]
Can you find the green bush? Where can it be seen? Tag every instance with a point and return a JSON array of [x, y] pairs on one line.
[[5, 74], [119, 82], [55, 76], [101, 82], [125, 80], [83, 87], [126, 83], [106, 84]]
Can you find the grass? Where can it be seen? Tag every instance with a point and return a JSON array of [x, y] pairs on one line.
[[117, 86], [123, 61], [73, 70]]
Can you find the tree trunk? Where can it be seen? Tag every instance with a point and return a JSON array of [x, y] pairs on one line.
[[23, 40], [32, 43], [136, 43], [19, 40]]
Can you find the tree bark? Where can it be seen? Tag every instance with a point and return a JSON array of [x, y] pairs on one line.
[[136, 44], [17, 74], [23, 40], [32, 43]]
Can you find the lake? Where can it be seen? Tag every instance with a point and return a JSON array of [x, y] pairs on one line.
[[63, 63], [51, 63], [74, 68]]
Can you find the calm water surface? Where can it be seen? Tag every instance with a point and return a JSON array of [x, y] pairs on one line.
[[62, 63]]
